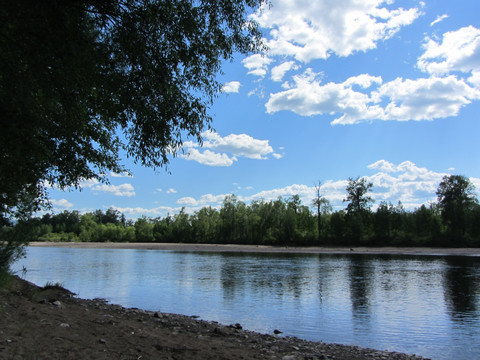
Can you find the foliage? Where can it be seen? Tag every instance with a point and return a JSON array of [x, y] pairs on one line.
[[455, 199], [83, 80], [358, 201], [281, 222]]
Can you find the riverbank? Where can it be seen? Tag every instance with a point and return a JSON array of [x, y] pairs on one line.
[[267, 249], [51, 323]]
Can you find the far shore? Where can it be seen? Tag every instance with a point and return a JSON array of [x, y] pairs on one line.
[[266, 249]]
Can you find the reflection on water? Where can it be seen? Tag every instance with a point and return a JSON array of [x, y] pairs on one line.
[[424, 305]]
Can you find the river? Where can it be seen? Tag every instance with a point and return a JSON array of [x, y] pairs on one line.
[[424, 305]]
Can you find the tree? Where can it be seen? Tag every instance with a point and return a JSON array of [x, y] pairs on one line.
[[358, 208], [456, 197], [322, 205], [357, 190], [82, 80]]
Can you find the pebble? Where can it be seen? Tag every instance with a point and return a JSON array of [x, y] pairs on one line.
[[64, 325]]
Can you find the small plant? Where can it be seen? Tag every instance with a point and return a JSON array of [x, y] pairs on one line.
[[51, 285]]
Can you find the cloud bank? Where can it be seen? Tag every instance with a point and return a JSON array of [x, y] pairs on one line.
[[224, 151]]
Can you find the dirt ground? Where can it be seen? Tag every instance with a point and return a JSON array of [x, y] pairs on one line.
[[51, 323]]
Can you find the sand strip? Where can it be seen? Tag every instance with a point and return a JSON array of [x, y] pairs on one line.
[[266, 249]]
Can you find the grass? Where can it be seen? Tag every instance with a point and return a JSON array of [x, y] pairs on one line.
[[53, 285]]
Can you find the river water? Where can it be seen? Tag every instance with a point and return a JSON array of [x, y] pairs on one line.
[[424, 305]]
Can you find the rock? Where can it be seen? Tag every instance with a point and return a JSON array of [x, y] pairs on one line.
[[102, 341], [276, 332], [64, 325], [57, 303]]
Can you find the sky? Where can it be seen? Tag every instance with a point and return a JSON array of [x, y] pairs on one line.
[[387, 90]]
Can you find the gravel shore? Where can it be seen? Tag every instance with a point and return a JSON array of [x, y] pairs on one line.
[[51, 323]]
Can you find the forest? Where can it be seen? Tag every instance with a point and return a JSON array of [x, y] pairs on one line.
[[453, 221]]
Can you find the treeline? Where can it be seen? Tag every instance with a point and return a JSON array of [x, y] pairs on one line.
[[453, 221]]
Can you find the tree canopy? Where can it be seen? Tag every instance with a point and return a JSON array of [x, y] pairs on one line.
[[357, 198], [456, 196], [83, 80]]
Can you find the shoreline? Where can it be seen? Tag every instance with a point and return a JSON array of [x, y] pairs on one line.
[[426, 251], [50, 322]]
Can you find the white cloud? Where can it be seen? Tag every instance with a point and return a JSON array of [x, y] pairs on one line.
[[405, 182], [208, 158], [231, 87], [117, 190], [458, 51], [204, 200], [424, 99], [402, 100], [224, 151], [121, 175], [61, 204], [152, 212], [309, 97], [171, 191], [257, 64], [237, 144], [85, 184], [475, 79], [309, 30], [279, 71], [439, 18]]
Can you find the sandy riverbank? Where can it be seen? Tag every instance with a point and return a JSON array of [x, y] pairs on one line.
[[267, 249]]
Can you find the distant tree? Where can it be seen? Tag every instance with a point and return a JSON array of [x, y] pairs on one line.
[[322, 205], [83, 80], [456, 197], [357, 198], [358, 208]]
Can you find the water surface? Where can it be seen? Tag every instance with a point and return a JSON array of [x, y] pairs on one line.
[[425, 305]]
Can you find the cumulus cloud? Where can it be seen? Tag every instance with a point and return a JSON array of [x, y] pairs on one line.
[[309, 97], [425, 99], [117, 190], [61, 204], [257, 64], [85, 184], [458, 51], [204, 200], [171, 191], [231, 87], [315, 29], [209, 158], [121, 175], [156, 211], [400, 99], [406, 182], [278, 72], [224, 151]]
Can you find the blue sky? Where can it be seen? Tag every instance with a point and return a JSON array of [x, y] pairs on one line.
[[389, 90]]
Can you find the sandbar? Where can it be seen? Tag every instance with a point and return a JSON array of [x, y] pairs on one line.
[[183, 247]]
